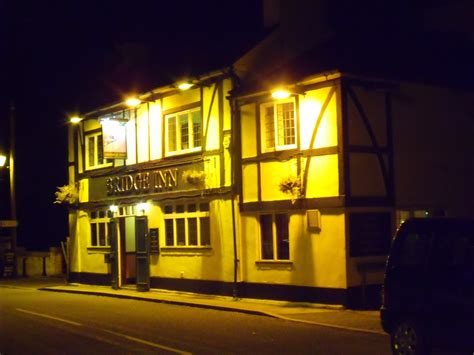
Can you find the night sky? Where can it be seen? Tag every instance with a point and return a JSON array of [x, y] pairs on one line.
[[64, 57], [59, 58]]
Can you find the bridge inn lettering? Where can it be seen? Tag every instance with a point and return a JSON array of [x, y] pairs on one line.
[[154, 181]]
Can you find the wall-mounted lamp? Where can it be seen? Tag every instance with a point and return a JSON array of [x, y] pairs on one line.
[[113, 208], [143, 207], [185, 85], [280, 94], [75, 119]]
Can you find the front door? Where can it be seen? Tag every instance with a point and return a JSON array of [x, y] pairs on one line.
[[127, 250], [142, 253], [114, 259]]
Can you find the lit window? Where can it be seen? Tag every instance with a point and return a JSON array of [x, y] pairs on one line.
[[94, 152], [187, 225], [275, 239], [278, 125], [99, 229], [183, 132]]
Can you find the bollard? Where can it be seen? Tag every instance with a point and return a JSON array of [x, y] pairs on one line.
[[44, 266]]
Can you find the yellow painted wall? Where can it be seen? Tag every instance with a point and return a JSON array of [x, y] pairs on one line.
[[248, 130], [182, 98], [249, 183], [215, 263], [323, 177], [366, 175], [155, 131], [317, 258], [210, 117], [142, 133], [131, 142], [310, 108]]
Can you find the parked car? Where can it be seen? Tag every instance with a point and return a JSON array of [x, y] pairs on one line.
[[428, 291]]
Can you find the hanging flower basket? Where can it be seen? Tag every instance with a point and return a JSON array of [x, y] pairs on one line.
[[67, 195], [194, 177], [292, 186]]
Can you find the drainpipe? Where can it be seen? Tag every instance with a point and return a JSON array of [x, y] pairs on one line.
[[233, 105]]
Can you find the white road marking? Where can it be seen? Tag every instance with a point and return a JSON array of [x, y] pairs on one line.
[[49, 317], [128, 337], [149, 343]]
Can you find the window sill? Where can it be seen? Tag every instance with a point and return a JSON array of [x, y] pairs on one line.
[[186, 251], [274, 264], [98, 250]]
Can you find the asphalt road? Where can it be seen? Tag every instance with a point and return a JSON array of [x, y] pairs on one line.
[[38, 322]]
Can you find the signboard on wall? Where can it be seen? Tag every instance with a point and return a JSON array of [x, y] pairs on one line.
[[115, 139]]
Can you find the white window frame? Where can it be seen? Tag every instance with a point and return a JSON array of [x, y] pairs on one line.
[[95, 164], [97, 221], [178, 138], [277, 126], [274, 237], [199, 215]]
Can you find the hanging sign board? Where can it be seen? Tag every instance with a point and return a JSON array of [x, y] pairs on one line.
[[114, 137]]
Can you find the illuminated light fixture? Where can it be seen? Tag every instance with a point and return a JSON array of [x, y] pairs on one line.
[[3, 160], [113, 208], [132, 102], [143, 207], [75, 119], [185, 86], [280, 94]]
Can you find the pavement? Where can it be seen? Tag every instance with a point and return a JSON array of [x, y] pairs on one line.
[[334, 316]]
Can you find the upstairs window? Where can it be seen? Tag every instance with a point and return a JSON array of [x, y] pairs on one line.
[[94, 152], [274, 237], [183, 132], [278, 125]]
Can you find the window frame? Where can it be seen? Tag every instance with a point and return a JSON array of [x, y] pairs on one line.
[[178, 132], [97, 221], [198, 216], [96, 165], [274, 234], [275, 136]]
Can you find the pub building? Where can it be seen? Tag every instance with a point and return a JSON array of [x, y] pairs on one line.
[[266, 181]]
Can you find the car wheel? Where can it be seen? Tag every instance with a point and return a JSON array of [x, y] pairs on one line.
[[408, 338]]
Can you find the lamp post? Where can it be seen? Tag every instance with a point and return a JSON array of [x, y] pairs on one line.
[[9, 162]]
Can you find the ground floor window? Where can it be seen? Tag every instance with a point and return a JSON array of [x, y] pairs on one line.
[[99, 229], [274, 236], [187, 224]]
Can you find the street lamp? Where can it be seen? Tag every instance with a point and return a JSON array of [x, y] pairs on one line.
[[3, 160]]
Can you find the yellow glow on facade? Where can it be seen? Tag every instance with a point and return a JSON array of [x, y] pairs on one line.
[[3, 160], [143, 207], [75, 119], [185, 86], [133, 101], [280, 94]]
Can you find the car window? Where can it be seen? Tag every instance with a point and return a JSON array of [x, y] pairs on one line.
[[414, 249], [455, 249]]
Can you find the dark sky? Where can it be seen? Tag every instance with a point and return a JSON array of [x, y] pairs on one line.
[[64, 57]]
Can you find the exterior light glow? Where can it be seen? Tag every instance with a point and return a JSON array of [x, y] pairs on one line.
[[3, 160], [75, 119], [280, 94], [113, 208], [184, 86], [132, 102], [143, 207]]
